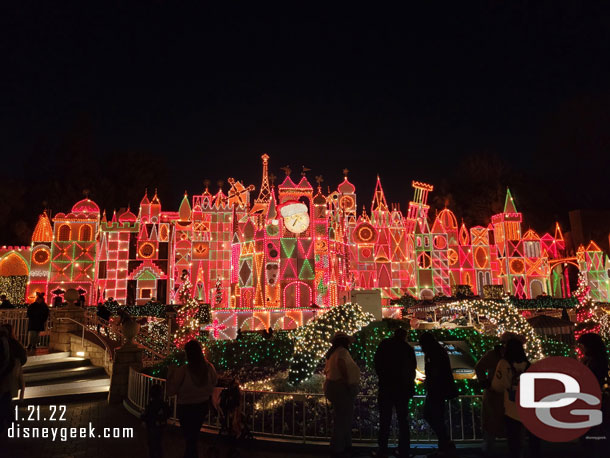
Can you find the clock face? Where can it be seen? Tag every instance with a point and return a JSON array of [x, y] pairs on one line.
[[297, 223]]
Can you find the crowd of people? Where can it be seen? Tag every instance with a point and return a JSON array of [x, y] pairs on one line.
[[395, 363], [498, 372]]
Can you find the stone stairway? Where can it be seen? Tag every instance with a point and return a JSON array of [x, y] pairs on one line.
[[59, 374]]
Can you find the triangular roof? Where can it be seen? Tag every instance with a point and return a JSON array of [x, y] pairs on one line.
[[531, 235], [287, 183], [145, 200], [509, 203], [593, 246], [437, 227], [304, 183], [155, 200]]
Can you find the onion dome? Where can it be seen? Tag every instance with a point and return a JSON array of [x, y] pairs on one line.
[[346, 187], [85, 206], [127, 217]]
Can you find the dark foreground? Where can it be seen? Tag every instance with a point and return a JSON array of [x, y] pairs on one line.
[[100, 415]]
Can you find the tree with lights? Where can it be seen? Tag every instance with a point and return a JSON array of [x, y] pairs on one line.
[[312, 341], [187, 316], [586, 309]]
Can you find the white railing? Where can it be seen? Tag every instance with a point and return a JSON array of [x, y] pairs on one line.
[[305, 417], [19, 320]]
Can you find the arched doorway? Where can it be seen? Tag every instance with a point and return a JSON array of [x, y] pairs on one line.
[[536, 289], [297, 294]]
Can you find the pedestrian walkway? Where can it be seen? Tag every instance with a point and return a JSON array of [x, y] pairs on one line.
[[99, 414]]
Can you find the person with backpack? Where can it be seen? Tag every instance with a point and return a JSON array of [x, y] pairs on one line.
[[155, 416], [506, 381], [395, 365], [193, 384], [440, 387]]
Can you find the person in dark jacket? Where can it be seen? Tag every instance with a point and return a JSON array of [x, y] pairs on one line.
[[6, 304], [440, 386], [104, 314], [11, 353], [395, 365], [38, 313]]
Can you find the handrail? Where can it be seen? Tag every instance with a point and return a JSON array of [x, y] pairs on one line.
[[108, 351], [305, 417]]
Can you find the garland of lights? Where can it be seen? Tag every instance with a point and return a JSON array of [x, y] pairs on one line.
[[506, 317], [312, 340]]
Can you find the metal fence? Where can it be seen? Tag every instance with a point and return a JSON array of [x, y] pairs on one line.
[[306, 417], [19, 320]]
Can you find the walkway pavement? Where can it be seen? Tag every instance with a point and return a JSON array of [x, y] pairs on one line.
[[97, 413]]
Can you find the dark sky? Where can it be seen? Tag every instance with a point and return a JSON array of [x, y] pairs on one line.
[[188, 93]]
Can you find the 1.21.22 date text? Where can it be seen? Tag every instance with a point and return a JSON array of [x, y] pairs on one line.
[[55, 413]]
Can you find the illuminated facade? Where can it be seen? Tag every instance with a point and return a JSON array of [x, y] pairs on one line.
[[278, 259]]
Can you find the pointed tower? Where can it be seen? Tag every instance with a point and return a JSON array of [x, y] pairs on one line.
[[379, 206], [155, 207], [418, 207], [185, 209], [144, 213], [508, 240], [262, 201], [40, 260], [265, 192], [43, 233]]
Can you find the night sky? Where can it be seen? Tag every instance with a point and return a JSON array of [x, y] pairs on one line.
[[118, 96]]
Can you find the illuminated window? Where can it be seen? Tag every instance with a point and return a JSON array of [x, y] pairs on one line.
[[64, 233], [85, 233]]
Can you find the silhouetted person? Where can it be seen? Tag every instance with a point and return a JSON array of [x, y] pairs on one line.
[[12, 357], [395, 365], [340, 388], [6, 303], [155, 416], [506, 381], [104, 314], [194, 384], [492, 412], [38, 313], [440, 387]]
